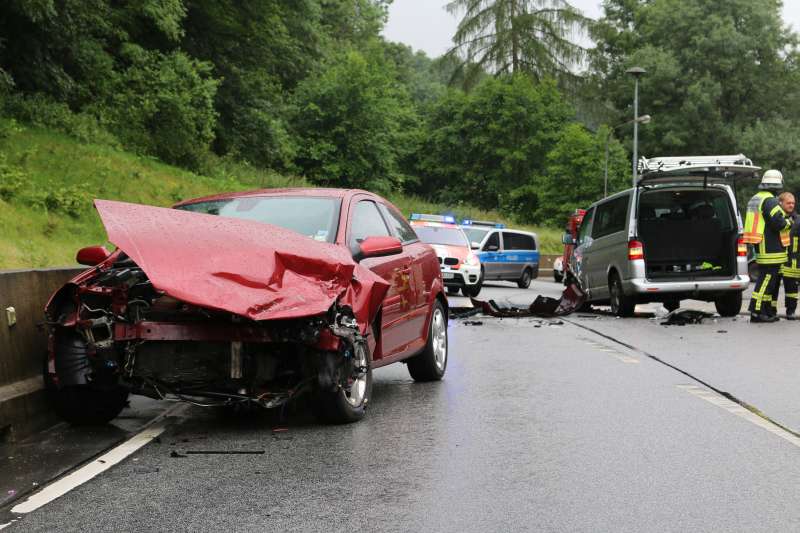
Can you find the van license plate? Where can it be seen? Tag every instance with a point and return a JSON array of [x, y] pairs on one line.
[[447, 275]]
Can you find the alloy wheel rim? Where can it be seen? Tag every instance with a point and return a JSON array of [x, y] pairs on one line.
[[439, 338], [358, 388]]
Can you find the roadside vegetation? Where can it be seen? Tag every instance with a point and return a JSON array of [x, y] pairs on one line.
[[158, 100], [49, 180]]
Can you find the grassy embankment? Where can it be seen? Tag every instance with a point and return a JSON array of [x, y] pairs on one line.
[[48, 215]]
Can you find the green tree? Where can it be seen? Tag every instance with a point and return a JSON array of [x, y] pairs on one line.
[[483, 145], [574, 173], [352, 122], [714, 69], [514, 36]]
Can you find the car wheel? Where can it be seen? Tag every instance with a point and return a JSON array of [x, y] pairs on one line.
[[348, 403], [671, 305], [93, 403], [452, 291], [431, 363], [729, 304], [525, 280], [471, 291], [621, 305]]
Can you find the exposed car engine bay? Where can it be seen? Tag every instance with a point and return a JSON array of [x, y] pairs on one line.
[[115, 330]]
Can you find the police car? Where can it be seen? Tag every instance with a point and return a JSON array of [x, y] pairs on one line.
[[461, 268], [505, 254]]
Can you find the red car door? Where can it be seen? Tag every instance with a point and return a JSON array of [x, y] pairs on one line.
[[365, 220]]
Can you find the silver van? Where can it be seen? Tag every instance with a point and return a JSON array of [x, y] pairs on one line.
[[676, 235], [505, 254]]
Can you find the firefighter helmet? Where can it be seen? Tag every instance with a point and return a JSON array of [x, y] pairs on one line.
[[772, 179]]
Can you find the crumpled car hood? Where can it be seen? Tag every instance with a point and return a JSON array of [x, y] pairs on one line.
[[259, 271]]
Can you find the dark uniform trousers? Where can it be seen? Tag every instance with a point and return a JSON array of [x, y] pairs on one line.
[[765, 294]]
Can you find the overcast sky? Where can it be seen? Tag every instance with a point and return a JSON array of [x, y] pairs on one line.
[[425, 25]]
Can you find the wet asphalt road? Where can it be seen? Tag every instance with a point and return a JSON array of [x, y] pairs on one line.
[[539, 425]]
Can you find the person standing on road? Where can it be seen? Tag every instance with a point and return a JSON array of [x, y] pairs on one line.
[[790, 270], [766, 226]]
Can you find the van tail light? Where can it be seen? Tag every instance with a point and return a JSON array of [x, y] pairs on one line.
[[741, 247], [635, 250]]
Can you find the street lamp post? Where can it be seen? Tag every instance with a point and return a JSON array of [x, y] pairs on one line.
[[636, 72], [644, 119]]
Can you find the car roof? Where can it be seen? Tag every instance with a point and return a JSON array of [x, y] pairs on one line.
[[294, 191], [434, 224]]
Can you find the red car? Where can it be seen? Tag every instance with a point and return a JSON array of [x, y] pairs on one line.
[[246, 298]]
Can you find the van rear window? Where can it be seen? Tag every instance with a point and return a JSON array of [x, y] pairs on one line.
[[700, 205]]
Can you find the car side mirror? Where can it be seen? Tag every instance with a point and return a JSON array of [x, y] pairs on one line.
[[491, 248], [92, 255], [567, 239], [378, 247]]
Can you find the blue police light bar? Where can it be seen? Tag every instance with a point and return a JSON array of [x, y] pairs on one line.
[[470, 222], [433, 218]]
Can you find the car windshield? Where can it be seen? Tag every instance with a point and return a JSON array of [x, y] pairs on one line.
[[439, 235], [475, 234], [313, 217]]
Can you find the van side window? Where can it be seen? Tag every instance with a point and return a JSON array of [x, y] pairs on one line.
[[493, 240], [611, 217], [518, 241], [583, 231]]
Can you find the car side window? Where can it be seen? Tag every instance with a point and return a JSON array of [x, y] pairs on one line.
[[366, 222], [492, 241], [610, 217], [399, 226]]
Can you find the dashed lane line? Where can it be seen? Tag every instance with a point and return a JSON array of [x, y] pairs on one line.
[[611, 351], [740, 411]]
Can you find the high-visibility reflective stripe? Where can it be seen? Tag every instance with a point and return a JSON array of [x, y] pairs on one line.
[[758, 295], [775, 210], [793, 295]]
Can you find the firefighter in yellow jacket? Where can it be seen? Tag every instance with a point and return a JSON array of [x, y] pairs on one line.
[[791, 270], [766, 227]]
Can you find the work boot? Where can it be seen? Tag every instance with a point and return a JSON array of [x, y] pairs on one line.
[[762, 318], [790, 314]]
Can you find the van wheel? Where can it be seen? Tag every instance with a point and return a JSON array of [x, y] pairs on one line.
[[729, 304], [525, 281], [621, 305]]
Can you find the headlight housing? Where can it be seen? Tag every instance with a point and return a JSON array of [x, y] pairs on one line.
[[472, 260]]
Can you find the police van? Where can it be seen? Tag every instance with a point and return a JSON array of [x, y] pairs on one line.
[[505, 254]]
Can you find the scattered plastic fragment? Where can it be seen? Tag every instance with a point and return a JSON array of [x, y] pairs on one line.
[[681, 317], [11, 492], [473, 322], [173, 453], [722, 331], [571, 300]]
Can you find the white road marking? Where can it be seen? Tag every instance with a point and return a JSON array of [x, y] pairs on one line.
[[611, 351], [3, 526], [733, 407], [85, 473]]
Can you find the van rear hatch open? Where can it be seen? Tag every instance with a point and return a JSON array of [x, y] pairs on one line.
[[686, 215], [688, 232]]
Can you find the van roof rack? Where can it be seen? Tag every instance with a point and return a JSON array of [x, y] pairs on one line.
[[663, 164]]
